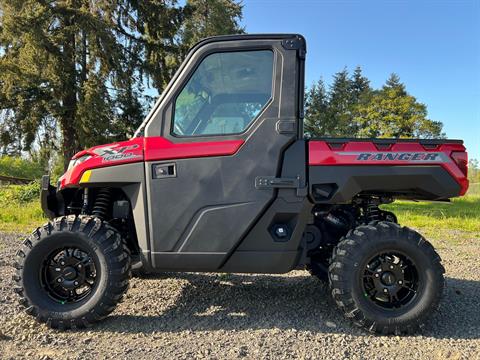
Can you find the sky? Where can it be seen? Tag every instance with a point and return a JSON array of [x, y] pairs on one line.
[[434, 46]]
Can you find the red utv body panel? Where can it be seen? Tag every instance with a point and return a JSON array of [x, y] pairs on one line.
[[144, 149], [353, 152], [159, 148]]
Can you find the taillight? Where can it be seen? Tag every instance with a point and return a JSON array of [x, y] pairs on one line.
[[461, 159]]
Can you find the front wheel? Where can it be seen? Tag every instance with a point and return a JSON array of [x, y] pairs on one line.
[[386, 278], [72, 272]]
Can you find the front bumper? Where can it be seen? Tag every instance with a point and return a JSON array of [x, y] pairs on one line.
[[48, 198]]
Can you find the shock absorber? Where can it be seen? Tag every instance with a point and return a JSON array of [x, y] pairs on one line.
[[373, 212], [102, 203], [85, 201]]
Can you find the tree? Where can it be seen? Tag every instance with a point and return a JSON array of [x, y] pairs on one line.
[[150, 30], [338, 122], [166, 31], [210, 17], [392, 112], [393, 82], [360, 86], [351, 108], [57, 60], [330, 113], [361, 96], [80, 66], [316, 107], [10, 134]]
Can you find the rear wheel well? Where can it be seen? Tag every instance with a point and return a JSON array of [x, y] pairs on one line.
[[332, 222]]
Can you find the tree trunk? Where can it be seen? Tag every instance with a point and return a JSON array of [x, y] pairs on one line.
[[69, 99]]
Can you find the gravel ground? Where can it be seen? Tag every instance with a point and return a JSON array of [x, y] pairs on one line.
[[185, 316]]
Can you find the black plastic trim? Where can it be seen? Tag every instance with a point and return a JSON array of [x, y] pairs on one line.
[[48, 198], [403, 182], [241, 37]]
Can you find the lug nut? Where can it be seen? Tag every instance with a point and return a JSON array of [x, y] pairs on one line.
[[79, 266], [62, 263], [376, 275], [75, 283], [59, 280], [385, 290], [400, 282], [391, 266]]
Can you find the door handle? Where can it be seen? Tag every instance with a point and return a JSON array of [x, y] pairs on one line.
[[161, 171], [272, 182], [268, 182]]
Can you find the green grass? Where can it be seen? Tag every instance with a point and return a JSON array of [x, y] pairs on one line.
[[455, 222], [462, 213], [20, 210], [21, 217]]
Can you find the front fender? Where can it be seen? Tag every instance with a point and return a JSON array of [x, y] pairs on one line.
[[130, 178], [50, 199]]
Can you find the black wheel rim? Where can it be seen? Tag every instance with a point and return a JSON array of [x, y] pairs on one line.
[[69, 274], [390, 280]]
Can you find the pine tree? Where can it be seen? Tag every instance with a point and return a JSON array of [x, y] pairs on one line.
[[81, 66], [152, 27], [338, 120], [210, 17], [316, 107], [167, 31], [55, 65], [360, 85], [361, 95], [393, 83]]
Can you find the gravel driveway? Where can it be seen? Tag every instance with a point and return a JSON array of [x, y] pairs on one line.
[[183, 316]]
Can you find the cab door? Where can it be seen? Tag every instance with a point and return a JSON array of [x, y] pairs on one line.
[[223, 123]]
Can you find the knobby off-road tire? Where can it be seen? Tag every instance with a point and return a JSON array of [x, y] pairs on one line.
[[107, 259], [351, 280]]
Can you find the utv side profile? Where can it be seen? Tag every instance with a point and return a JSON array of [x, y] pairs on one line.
[[220, 178]]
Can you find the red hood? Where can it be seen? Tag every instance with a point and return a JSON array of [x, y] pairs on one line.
[[122, 152]]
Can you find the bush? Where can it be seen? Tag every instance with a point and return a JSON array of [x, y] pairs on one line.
[[20, 193], [29, 192], [19, 167]]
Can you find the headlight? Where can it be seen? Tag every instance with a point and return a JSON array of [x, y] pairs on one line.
[[77, 161], [71, 164]]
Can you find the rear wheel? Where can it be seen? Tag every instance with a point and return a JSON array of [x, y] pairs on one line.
[[386, 278], [72, 271]]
